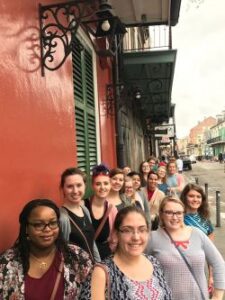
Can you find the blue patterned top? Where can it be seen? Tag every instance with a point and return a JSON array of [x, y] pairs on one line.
[[121, 287], [197, 221]]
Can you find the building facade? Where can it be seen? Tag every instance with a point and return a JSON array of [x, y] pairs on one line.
[[82, 113]]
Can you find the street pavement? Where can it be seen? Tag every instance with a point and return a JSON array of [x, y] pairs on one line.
[[213, 174]]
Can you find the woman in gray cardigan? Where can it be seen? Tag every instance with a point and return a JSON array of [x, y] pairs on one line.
[[174, 242], [74, 218]]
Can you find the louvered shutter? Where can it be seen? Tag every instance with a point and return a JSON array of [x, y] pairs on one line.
[[85, 119]]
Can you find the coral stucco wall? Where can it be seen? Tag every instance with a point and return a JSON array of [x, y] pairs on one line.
[[37, 134], [107, 123]]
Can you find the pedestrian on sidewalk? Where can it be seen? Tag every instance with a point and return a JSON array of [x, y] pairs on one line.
[[220, 157], [180, 164]]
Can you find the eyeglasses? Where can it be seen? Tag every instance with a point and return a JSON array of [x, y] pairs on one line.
[[171, 213], [40, 226], [129, 231]]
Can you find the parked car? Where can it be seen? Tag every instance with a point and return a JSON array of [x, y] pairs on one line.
[[193, 159], [186, 163]]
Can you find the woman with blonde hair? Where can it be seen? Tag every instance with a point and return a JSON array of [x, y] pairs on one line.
[[182, 251], [175, 181], [115, 196], [101, 211]]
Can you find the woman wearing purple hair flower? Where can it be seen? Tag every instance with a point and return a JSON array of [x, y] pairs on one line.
[[102, 213]]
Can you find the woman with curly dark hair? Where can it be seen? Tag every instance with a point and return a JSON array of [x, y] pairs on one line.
[[41, 265]]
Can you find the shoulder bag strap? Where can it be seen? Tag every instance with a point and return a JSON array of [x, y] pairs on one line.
[[80, 231], [84, 237], [97, 232], [56, 285], [187, 263], [107, 277]]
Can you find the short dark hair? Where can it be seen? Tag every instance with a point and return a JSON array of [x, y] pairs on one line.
[[134, 173], [152, 172], [69, 172]]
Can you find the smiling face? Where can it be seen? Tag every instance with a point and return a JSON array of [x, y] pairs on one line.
[[73, 189], [172, 216], [161, 172], [172, 168], [117, 182], [193, 200], [136, 181], [129, 189], [152, 182], [42, 239], [101, 186], [151, 163], [132, 235], [145, 168]]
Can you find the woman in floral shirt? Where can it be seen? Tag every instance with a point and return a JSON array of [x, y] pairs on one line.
[[41, 265]]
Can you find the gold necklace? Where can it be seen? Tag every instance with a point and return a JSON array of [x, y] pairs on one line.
[[42, 264]]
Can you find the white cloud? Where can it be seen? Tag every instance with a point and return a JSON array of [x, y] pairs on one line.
[[199, 81]]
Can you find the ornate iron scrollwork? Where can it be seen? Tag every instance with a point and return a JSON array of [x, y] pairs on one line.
[[108, 105], [58, 24]]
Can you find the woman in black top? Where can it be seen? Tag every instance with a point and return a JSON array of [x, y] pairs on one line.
[[75, 219], [102, 213]]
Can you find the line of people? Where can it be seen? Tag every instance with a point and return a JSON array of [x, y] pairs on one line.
[[141, 235]]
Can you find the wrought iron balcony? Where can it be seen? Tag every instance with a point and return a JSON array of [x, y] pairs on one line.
[[214, 140], [156, 37]]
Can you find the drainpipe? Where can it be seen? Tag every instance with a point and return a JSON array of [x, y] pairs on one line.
[[118, 120]]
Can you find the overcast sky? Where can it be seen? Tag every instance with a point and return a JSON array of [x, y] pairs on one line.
[[199, 80]]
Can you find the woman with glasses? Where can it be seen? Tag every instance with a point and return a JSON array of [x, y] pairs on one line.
[[41, 265], [101, 211], [128, 274], [183, 251], [75, 218]]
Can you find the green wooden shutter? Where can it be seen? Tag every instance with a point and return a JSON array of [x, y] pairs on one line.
[[85, 119]]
